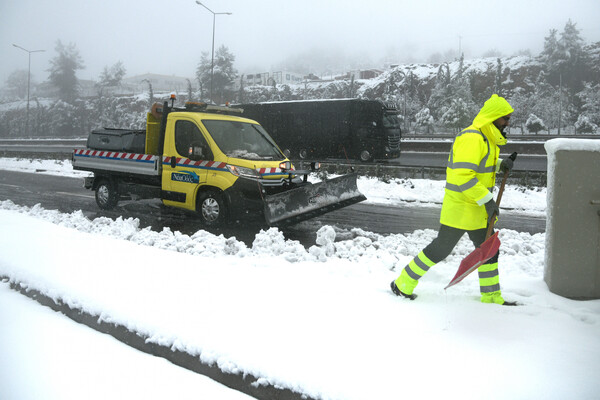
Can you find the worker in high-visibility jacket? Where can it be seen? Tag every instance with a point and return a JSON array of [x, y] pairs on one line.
[[468, 201]]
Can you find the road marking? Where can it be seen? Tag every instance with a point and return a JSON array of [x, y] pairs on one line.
[[6, 184]]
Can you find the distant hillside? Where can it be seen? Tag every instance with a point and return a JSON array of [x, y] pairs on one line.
[[547, 94]]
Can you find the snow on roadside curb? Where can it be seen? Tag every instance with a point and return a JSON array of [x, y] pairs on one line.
[[388, 250]]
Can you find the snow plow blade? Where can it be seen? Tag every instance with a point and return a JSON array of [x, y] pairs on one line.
[[312, 200]]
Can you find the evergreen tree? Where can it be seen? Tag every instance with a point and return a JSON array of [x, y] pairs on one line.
[[458, 115], [521, 102], [571, 44], [424, 119], [535, 124], [112, 76], [190, 90], [584, 125], [590, 102], [16, 83], [62, 70], [551, 50], [564, 58], [441, 93], [223, 73], [498, 80], [547, 101]]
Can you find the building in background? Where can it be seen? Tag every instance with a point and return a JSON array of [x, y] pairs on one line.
[[160, 83]]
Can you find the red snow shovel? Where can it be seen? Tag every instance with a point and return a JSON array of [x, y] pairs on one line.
[[484, 252]]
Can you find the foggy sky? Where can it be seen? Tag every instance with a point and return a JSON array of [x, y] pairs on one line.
[[168, 36]]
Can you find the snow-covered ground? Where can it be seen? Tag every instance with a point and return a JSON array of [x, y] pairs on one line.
[[320, 321], [45, 355]]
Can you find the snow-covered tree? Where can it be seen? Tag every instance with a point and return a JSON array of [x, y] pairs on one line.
[[551, 53], [521, 102], [223, 73], [112, 76], [441, 94], [498, 79], [590, 102], [458, 115], [535, 124], [16, 83], [564, 58], [63, 70], [425, 120], [584, 125]]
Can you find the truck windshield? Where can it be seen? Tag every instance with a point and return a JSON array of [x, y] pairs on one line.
[[391, 124], [243, 140], [391, 121]]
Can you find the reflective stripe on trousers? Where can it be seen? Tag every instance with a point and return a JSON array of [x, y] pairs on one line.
[[419, 266], [489, 278]]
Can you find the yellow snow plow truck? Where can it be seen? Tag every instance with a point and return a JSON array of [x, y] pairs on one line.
[[207, 159]]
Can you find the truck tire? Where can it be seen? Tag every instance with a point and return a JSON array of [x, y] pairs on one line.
[[107, 196], [365, 156], [211, 208]]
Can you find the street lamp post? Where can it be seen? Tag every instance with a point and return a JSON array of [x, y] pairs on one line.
[[212, 62], [28, 81]]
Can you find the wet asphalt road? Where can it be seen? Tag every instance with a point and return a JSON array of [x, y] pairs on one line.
[[68, 195]]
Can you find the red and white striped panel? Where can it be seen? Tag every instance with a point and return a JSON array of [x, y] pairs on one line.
[[196, 164], [263, 171], [115, 155]]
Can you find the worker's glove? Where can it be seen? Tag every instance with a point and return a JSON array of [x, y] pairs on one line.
[[492, 210], [507, 165]]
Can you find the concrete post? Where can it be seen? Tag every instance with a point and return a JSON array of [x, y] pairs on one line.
[[572, 265]]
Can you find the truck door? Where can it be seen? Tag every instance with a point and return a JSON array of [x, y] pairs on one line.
[[182, 165]]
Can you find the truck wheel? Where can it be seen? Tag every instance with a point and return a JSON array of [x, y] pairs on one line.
[[365, 156], [212, 208], [107, 196]]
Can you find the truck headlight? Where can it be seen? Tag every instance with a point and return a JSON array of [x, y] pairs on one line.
[[242, 171]]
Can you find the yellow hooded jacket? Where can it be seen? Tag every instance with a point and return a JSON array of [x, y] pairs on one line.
[[472, 166]]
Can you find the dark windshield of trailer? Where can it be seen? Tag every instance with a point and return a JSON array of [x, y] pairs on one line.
[[243, 140]]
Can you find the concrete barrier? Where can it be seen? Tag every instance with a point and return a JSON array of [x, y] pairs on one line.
[[572, 265]]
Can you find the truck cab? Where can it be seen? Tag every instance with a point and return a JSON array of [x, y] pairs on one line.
[[215, 164]]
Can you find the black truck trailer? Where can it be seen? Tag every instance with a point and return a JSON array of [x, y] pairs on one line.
[[352, 129]]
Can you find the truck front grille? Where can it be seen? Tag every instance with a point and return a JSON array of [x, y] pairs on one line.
[[394, 142]]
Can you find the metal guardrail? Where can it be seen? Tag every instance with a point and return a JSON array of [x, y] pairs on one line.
[[388, 172], [62, 149]]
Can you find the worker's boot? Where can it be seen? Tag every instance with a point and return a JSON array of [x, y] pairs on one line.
[[397, 292], [496, 298]]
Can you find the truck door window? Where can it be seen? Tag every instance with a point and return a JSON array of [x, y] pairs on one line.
[[190, 143]]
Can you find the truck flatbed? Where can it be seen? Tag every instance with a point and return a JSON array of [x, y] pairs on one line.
[[99, 160]]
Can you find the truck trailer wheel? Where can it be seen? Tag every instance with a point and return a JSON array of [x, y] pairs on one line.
[[212, 208], [107, 196], [365, 156]]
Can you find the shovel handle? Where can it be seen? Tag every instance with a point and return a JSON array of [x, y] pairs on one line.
[[513, 157], [491, 225]]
